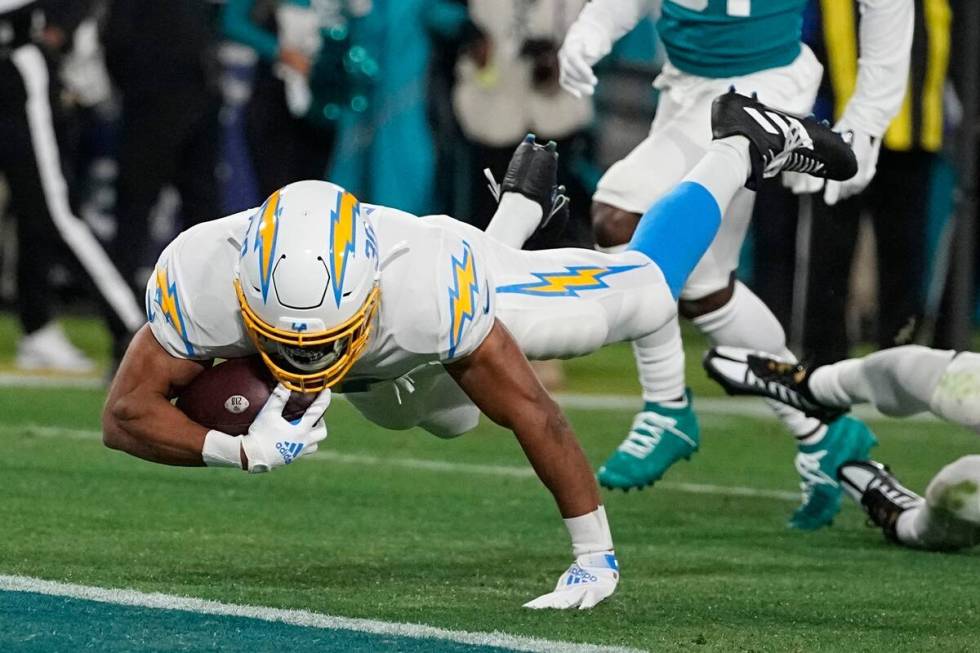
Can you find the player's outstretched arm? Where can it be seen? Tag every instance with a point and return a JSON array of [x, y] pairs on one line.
[[138, 417], [498, 378]]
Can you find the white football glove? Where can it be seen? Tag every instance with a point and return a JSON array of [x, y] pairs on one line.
[[272, 441], [591, 578], [580, 51], [866, 148]]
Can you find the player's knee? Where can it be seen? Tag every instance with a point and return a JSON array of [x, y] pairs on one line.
[[956, 393], [956, 489], [612, 226], [693, 308], [452, 423]]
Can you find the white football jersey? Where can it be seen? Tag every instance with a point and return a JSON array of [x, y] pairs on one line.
[[437, 299]]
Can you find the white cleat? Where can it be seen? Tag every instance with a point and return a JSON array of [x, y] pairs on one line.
[[48, 349]]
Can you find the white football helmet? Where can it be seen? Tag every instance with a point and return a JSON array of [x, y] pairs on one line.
[[307, 283]]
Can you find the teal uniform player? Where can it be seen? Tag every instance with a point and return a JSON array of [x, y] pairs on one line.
[[730, 38], [711, 45]]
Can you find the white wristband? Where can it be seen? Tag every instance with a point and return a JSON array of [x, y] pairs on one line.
[[222, 450], [590, 532]]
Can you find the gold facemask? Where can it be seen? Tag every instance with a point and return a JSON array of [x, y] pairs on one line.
[[341, 346]]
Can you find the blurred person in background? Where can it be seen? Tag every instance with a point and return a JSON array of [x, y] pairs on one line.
[[896, 201], [161, 56], [385, 151], [507, 85], [31, 160], [289, 37]]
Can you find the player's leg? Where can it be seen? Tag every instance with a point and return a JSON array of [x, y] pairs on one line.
[[47, 166], [639, 286], [710, 298], [569, 302], [428, 398], [900, 381], [905, 380], [730, 314], [677, 140], [947, 519]]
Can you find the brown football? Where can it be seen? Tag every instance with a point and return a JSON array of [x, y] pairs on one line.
[[228, 396]]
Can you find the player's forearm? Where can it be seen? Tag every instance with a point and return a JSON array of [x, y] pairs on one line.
[[553, 450], [151, 428], [885, 38]]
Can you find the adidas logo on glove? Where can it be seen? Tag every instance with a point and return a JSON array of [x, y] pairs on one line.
[[289, 450], [578, 575]]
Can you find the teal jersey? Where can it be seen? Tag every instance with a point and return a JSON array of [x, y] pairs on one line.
[[729, 38]]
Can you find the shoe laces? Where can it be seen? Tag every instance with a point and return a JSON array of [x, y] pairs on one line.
[[808, 467], [647, 431], [797, 152]]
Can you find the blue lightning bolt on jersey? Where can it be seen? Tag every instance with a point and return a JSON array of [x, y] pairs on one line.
[[730, 38]]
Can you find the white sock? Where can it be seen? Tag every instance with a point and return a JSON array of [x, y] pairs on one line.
[[660, 356], [515, 220], [900, 381], [745, 321], [589, 532], [660, 364], [723, 169], [911, 526]]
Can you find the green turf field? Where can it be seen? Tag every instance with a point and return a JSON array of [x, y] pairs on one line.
[[403, 527]]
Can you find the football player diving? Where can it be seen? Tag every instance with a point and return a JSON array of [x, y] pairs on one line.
[[901, 381], [429, 321]]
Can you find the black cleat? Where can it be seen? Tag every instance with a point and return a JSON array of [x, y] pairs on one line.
[[533, 173], [747, 372], [782, 141], [879, 493]]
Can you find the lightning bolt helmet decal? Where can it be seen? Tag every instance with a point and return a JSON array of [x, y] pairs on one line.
[[343, 220]]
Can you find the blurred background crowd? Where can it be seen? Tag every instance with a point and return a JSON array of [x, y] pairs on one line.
[[146, 117]]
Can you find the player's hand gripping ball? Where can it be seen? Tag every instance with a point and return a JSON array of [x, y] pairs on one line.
[[228, 396], [273, 441], [241, 397]]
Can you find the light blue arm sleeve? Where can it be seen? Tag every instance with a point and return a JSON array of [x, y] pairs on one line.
[[237, 25]]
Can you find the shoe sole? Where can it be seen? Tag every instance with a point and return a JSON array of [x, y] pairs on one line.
[[640, 486]]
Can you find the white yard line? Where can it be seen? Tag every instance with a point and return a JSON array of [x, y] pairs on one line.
[[302, 618], [16, 380], [723, 406], [440, 466]]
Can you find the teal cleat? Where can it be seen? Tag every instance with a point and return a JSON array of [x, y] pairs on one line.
[[847, 439], [660, 436]]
